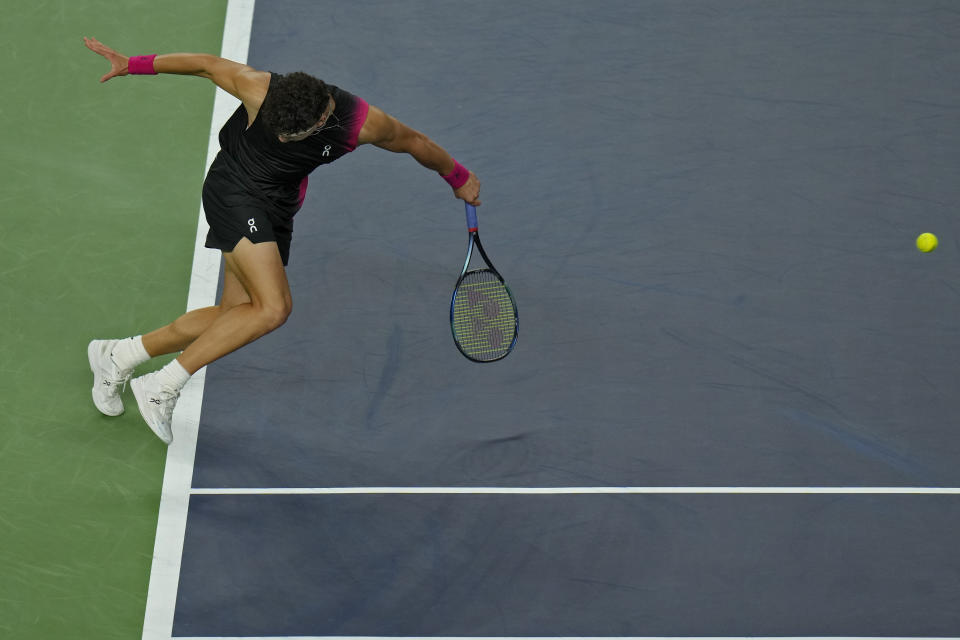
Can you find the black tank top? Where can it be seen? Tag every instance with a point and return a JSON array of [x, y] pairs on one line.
[[254, 161]]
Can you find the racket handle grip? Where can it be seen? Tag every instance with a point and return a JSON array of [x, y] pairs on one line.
[[471, 217]]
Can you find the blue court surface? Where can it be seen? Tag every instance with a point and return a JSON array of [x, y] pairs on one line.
[[732, 407]]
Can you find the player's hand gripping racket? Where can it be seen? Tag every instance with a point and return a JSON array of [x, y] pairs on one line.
[[483, 315]]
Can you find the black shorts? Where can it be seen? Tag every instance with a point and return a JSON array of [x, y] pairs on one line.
[[233, 213]]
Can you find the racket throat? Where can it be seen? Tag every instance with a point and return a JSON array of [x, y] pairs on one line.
[[466, 263]]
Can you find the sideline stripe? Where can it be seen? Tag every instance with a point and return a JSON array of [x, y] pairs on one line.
[[178, 473], [581, 490]]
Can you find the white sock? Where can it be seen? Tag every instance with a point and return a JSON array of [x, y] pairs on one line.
[[129, 353], [173, 376]]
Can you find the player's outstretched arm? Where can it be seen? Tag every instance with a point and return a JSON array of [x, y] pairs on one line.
[[385, 131], [242, 81]]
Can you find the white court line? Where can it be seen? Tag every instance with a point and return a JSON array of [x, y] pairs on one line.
[[579, 490], [178, 473]]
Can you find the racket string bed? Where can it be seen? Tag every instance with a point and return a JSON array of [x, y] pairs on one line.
[[484, 318]]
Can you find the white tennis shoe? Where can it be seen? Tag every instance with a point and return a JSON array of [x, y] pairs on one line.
[[156, 402], [108, 380]]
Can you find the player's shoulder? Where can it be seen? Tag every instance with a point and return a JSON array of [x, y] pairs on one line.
[[253, 81], [252, 87], [377, 127]]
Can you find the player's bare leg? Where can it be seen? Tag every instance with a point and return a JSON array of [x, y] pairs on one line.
[[180, 334], [260, 272]]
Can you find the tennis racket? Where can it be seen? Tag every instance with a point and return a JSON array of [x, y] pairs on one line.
[[483, 314]]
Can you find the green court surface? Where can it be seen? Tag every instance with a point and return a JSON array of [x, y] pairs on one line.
[[100, 198]]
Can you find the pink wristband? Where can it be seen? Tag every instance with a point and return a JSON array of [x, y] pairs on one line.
[[458, 177], [141, 65]]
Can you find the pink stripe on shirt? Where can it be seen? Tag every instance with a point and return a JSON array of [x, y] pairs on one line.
[[303, 191], [354, 134]]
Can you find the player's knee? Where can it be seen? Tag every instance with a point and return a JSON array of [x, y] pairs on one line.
[[275, 315]]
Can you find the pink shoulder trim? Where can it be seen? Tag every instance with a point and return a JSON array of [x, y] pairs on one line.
[[361, 117]]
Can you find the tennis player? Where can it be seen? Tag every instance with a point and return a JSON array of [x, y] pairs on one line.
[[285, 127]]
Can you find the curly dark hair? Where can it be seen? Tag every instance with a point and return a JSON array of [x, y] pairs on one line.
[[296, 101]]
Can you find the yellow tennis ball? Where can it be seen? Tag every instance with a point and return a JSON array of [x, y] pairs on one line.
[[926, 242]]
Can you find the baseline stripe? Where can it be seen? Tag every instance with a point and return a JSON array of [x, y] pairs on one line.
[[581, 490], [178, 472]]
